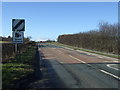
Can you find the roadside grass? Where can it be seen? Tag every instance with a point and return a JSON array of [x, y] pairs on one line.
[[100, 53], [5, 42], [17, 68], [86, 50]]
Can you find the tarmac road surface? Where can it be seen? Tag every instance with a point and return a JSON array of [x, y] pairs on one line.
[[76, 69]]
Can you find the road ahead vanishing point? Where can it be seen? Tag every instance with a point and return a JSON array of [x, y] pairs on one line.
[[68, 68]]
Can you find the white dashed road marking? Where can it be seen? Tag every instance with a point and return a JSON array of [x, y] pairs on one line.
[[96, 68], [59, 51], [110, 74], [77, 59], [100, 57], [61, 62], [110, 66]]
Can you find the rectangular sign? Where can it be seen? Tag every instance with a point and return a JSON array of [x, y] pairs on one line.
[[18, 25], [18, 36]]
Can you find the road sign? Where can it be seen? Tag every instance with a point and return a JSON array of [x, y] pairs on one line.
[[18, 25], [18, 36]]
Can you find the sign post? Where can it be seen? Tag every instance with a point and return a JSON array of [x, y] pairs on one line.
[[18, 28], [16, 48]]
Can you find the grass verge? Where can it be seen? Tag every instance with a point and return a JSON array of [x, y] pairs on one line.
[[86, 50], [5, 42], [17, 68]]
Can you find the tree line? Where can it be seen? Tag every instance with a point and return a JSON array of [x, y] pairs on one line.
[[105, 38]]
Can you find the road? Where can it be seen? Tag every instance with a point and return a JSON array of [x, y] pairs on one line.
[[68, 68]]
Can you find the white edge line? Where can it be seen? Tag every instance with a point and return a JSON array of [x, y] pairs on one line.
[[111, 61], [110, 74], [116, 61]]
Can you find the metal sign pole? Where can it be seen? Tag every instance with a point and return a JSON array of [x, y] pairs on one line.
[[16, 48], [16, 45]]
